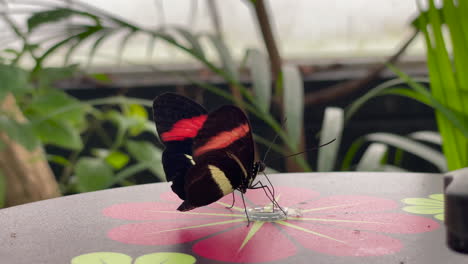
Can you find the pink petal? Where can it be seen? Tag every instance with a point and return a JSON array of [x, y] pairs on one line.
[[383, 222], [268, 244], [163, 210], [342, 242], [170, 196], [345, 204], [164, 233], [286, 196]]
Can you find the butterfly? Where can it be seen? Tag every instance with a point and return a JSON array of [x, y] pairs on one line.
[[207, 155]]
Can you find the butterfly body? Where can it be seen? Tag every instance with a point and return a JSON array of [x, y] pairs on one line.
[[207, 155]]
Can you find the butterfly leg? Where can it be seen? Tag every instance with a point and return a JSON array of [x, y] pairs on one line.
[[269, 194], [233, 201], [245, 208]]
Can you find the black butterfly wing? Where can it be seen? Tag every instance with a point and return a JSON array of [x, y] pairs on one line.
[[215, 175], [223, 154], [178, 120]]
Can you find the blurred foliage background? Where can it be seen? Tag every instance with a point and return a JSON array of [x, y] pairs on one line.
[[72, 125]]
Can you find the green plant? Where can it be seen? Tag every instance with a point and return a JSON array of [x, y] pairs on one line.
[[448, 83], [57, 119], [375, 148]]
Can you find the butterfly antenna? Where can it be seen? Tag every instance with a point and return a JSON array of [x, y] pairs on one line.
[[273, 141], [269, 147], [295, 154]]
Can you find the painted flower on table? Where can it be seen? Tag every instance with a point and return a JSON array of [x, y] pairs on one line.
[[120, 258], [434, 205], [339, 225]]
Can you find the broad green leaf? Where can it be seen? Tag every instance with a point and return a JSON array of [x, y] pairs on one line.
[[92, 174], [102, 258], [101, 77], [293, 102], [137, 111], [411, 146], [332, 128], [59, 133], [166, 258], [58, 160], [54, 15], [225, 57], [261, 78], [372, 157], [13, 79], [22, 133], [47, 76], [146, 152], [56, 101], [117, 159], [121, 120], [427, 136], [2, 189], [140, 115]]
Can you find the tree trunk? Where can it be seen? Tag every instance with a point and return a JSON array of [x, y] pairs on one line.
[[27, 173]]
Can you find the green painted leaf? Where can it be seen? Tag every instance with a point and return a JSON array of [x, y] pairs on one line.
[[293, 101], [411, 146], [423, 202], [92, 174], [22, 133], [166, 258], [441, 217], [372, 158], [146, 152], [332, 128], [117, 159], [437, 196], [423, 209], [59, 133], [261, 78], [102, 258], [2, 189]]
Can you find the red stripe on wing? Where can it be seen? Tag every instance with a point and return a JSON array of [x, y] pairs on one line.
[[223, 139], [184, 128]]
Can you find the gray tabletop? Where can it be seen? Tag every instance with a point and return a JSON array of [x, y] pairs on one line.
[[346, 218]]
